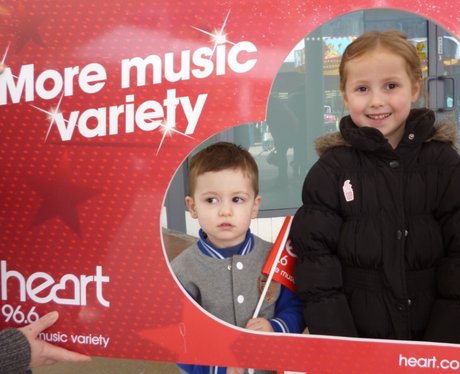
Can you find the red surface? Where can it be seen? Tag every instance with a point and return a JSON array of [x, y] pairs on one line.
[[75, 206]]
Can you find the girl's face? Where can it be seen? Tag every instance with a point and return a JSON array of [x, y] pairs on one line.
[[379, 93]]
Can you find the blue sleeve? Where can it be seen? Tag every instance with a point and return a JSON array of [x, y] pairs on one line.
[[201, 369], [288, 313]]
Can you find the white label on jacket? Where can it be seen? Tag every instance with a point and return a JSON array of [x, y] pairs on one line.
[[348, 191]]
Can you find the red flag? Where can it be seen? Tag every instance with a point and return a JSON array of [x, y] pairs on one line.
[[284, 272]]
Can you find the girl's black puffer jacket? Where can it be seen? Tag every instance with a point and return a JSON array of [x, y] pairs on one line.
[[378, 234]]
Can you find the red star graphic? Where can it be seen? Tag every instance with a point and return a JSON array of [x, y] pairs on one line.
[[28, 31], [23, 24], [61, 196]]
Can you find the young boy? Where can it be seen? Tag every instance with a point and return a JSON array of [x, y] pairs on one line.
[[222, 271]]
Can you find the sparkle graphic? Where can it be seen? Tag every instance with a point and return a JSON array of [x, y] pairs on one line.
[[167, 130], [5, 54], [2, 63], [217, 36], [52, 114]]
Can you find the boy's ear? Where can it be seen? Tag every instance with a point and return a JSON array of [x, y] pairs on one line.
[[255, 208], [191, 206]]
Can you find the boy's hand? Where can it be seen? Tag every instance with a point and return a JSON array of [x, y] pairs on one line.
[[259, 324], [235, 371]]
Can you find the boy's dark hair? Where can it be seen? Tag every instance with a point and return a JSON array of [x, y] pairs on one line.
[[220, 156]]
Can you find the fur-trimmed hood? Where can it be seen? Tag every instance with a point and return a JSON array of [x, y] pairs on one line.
[[442, 131]]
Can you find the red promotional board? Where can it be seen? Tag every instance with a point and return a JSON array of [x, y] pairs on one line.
[[90, 140]]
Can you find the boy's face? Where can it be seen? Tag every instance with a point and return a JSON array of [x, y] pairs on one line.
[[379, 93], [224, 203]]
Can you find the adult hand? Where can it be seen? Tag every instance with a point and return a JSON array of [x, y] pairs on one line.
[[43, 353]]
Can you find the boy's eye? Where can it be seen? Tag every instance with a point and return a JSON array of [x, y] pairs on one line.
[[362, 89], [238, 199], [211, 200]]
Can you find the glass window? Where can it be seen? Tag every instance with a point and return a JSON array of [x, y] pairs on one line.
[[305, 101]]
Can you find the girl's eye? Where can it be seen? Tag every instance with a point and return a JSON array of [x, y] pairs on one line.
[[361, 89], [392, 86]]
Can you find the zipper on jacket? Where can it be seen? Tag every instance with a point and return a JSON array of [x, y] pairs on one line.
[[403, 305]]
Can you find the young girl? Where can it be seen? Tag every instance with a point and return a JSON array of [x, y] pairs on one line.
[[378, 234]]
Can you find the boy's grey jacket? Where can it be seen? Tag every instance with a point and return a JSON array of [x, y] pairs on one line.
[[227, 288], [378, 235]]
